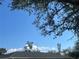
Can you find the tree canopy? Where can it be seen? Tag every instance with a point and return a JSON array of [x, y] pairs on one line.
[[75, 51], [0, 2], [2, 50], [52, 16], [49, 11], [30, 44]]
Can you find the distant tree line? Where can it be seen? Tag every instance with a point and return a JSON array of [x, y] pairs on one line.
[[2, 51]]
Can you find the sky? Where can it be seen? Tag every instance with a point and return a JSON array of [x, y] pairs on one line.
[[16, 29]]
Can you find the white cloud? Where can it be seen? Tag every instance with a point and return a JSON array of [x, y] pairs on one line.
[[35, 48], [42, 49], [45, 49], [14, 50]]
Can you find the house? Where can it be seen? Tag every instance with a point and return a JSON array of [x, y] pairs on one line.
[[33, 55]]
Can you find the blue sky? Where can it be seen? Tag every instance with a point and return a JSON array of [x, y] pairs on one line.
[[16, 29]]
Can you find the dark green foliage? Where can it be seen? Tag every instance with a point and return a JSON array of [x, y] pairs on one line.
[[2, 50], [66, 51], [27, 4], [0, 2], [75, 52], [30, 44], [59, 48], [38, 3], [49, 11], [76, 45], [75, 2], [68, 19]]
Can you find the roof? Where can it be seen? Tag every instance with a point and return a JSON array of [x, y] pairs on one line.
[[5, 56], [35, 54], [27, 54]]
